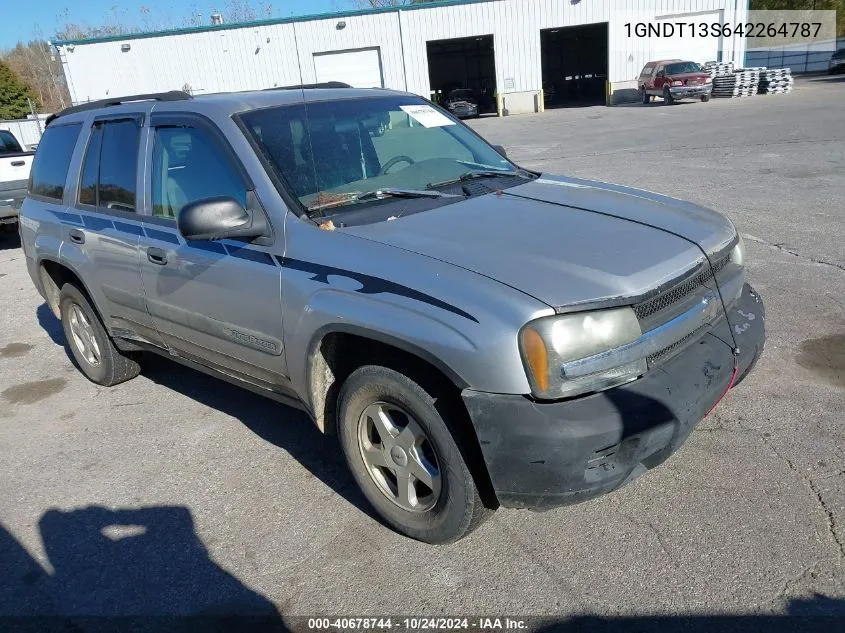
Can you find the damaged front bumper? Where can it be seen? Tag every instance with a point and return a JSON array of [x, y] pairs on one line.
[[541, 455]]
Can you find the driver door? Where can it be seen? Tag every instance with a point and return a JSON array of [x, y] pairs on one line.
[[215, 302]]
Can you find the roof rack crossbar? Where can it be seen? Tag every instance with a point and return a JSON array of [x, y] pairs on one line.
[[173, 95], [325, 84]]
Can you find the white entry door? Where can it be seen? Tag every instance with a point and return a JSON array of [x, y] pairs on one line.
[[358, 68]]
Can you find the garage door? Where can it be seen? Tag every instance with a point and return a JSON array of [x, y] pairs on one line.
[[360, 68], [696, 49]]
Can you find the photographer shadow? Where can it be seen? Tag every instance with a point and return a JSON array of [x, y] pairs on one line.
[[124, 570]]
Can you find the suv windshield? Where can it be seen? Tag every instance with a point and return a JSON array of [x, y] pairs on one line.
[[682, 67], [330, 153]]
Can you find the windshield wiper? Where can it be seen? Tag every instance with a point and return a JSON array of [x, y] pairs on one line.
[[379, 194], [477, 173], [389, 192]]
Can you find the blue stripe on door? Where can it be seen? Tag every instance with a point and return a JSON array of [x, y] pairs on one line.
[[125, 227], [164, 236]]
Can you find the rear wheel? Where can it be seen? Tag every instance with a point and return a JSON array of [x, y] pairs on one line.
[[667, 96], [644, 96], [92, 348], [404, 457]]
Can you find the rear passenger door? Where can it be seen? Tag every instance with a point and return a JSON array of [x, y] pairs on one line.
[[104, 247], [217, 302]]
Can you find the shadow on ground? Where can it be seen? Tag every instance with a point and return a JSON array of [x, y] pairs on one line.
[[282, 426], [9, 238], [124, 570]]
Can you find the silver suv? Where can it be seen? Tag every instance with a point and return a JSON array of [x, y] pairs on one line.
[[474, 333]]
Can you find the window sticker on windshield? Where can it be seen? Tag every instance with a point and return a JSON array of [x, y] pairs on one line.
[[426, 116]]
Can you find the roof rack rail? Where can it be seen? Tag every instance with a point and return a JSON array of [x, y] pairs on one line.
[[325, 84], [173, 95]]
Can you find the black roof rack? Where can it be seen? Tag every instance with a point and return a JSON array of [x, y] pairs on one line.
[[173, 95], [326, 84]]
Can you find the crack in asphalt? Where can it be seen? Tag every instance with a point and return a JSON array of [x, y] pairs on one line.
[[660, 540], [790, 582], [583, 600], [782, 247], [830, 519]]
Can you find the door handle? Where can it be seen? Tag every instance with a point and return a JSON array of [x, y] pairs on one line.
[[18, 163], [77, 236], [157, 255]]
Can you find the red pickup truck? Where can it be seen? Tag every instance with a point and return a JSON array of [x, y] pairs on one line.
[[674, 79]]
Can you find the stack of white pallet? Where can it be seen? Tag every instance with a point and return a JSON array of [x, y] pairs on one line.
[[774, 81], [719, 68], [741, 83]]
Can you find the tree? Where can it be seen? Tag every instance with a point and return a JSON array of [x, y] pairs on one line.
[[36, 64], [14, 95], [804, 5]]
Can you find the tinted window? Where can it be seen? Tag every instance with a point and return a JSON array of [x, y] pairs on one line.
[[118, 165], [8, 143], [91, 168], [189, 165], [49, 170]]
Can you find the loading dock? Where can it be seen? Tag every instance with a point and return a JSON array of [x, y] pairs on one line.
[[467, 62], [575, 64]]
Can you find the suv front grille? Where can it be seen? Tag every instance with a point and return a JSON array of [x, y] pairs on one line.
[[670, 350], [680, 291]]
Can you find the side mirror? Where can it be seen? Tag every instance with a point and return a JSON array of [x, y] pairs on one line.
[[501, 150], [218, 218]]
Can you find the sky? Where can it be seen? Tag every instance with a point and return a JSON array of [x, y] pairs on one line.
[[21, 20]]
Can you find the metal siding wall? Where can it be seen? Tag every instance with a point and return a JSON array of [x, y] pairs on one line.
[[27, 131], [242, 58], [380, 31]]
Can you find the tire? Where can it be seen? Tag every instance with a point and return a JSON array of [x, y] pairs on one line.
[[644, 96], [91, 346], [667, 97], [447, 510], [705, 98]]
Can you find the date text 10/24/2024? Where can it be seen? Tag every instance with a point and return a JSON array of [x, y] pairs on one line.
[[417, 624]]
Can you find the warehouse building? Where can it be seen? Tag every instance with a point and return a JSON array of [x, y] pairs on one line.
[[518, 55]]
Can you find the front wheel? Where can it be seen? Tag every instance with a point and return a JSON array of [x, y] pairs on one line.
[[667, 97], [404, 457], [705, 98]]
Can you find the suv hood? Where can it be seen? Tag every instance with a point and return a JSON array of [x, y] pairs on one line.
[[563, 241]]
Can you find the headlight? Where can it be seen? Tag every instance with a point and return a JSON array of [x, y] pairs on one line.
[[547, 343], [738, 252]]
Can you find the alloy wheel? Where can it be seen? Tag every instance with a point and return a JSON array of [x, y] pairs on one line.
[[83, 335], [399, 457]]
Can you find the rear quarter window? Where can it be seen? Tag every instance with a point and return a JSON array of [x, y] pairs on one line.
[[52, 160]]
